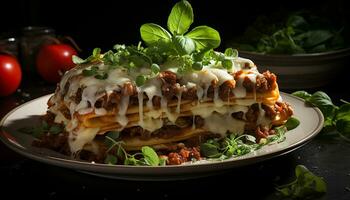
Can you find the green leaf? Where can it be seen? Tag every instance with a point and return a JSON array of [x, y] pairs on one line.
[[343, 126], [324, 103], [343, 119], [204, 37], [114, 135], [150, 155], [210, 150], [302, 94], [111, 159], [180, 18], [227, 64], [155, 68], [77, 60], [305, 186], [231, 52], [250, 138], [292, 123], [96, 52], [55, 129], [184, 45], [316, 37], [197, 66], [102, 76], [90, 72], [153, 34], [140, 80]]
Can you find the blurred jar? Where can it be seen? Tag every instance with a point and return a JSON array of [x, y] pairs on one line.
[[31, 41], [9, 45]]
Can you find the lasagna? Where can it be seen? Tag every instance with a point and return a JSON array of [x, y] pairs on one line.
[[169, 111]]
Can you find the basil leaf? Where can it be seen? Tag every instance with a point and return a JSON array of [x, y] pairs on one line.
[[140, 80], [210, 150], [204, 37], [55, 129], [227, 64], [343, 112], [113, 134], [292, 123], [250, 138], [302, 94], [155, 68], [324, 103], [343, 125], [153, 33], [316, 37], [111, 159], [102, 76], [343, 119], [180, 18], [231, 52], [184, 45], [197, 66], [305, 186], [96, 52], [150, 155], [77, 60]]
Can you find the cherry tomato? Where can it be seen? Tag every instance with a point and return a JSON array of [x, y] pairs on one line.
[[53, 60], [10, 75]]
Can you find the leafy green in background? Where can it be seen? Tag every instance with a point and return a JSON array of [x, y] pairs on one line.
[[295, 33], [306, 185], [336, 117]]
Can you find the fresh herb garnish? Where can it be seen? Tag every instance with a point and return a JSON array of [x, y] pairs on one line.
[[234, 145], [116, 153], [179, 21], [335, 117], [305, 186], [43, 128]]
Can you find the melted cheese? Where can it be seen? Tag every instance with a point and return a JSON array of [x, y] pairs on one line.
[[217, 118], [223, 124], [83, 136]]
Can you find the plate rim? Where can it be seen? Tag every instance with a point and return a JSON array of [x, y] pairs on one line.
[[149, 170]]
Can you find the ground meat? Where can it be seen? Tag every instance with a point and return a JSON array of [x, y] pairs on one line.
[[65, 112], [156, 102], [252, 113], [168, 77], [270, 112], [55, 142], [225, 90], [170, 90], [261, 133], [184, 155], [265, 82], [128, 89], [198, 121], [238, 115], [77, 97], [137, 131], [113, 100], [189, 94], [183, 122], [49, 117]]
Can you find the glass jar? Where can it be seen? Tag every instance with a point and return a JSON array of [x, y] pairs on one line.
[[9, 46], [31, 40]]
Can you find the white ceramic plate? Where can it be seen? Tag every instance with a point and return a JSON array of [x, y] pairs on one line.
[[311, 122]]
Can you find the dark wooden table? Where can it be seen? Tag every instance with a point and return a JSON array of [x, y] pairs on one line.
[[328, 157]]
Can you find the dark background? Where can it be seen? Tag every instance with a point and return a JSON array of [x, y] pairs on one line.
[[104, 23]]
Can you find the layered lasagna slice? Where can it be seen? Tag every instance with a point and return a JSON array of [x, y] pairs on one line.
[[168, 109]]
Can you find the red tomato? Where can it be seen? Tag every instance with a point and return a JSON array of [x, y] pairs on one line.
[[53, 60], [10, 75]]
